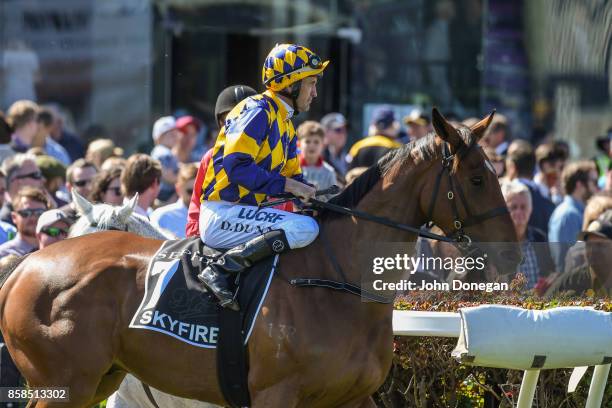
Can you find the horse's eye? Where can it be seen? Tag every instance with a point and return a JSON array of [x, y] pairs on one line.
[[476, 180]]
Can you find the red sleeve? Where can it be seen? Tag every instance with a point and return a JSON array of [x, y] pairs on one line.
[[193, 214]]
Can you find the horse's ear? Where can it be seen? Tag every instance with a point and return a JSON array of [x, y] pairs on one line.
[[127, 209], [479, 129], [445, 130], [83, 206]]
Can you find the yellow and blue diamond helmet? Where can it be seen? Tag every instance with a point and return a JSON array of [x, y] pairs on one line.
[[289, 63]]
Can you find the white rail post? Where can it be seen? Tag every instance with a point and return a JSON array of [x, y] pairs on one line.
[[528, 387], [598, 386]]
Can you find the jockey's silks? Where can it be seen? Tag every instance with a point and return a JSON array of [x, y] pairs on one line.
[[254, 153]]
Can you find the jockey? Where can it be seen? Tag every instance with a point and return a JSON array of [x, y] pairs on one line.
[[255, 157]]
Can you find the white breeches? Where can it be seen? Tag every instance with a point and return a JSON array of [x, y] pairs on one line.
[[226, 225]]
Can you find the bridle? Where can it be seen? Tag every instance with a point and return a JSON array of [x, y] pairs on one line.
[[457, 236]]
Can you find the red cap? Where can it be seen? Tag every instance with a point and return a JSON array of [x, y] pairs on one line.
[[184, 121]]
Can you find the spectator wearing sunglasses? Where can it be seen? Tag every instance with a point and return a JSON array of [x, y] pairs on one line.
[[52, 226], [29, 204], [79, 176], [173, 217], [106, 187], [21, 171]]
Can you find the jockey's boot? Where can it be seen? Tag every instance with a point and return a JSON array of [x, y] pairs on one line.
[[218, 275]]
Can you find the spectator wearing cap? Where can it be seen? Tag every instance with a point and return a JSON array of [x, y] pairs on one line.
[[141, 175], [21, 117], [173, 217], [385, 129], [579, 183], [44, 118], [188, 128], [28, 204], [316, 171], [52, 226], [336, 134], [165, 136], [54, 173], [418, 124], [21, 170], [497, 135], [101, 149]]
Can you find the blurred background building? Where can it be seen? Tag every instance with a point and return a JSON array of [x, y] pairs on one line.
[[116, 65]]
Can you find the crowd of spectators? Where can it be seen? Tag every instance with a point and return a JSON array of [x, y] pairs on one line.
[[552, 199]]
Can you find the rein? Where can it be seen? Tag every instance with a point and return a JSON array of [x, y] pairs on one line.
[[458, 236]]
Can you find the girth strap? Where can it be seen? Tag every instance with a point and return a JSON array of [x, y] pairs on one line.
[[149, 395]]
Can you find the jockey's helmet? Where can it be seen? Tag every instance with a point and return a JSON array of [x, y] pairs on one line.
[[290, 63], [230, 97]]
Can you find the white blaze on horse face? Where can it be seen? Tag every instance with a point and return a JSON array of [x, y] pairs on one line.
[[490, 167]]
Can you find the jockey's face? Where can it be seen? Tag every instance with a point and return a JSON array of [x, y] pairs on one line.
[[308, 91]]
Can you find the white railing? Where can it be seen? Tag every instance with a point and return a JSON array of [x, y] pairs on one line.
[[447, 324]]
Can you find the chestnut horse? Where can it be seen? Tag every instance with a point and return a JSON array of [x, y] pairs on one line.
[[65, 309]]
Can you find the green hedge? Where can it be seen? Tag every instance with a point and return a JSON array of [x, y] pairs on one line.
[[424, 375]]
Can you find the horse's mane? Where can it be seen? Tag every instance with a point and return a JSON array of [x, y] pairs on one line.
[[418, 151]]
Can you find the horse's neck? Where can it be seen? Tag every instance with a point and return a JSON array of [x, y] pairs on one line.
[[394, 197]]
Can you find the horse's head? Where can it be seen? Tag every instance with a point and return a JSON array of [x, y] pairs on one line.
[[104, 217], [457, 187], [463, 196]]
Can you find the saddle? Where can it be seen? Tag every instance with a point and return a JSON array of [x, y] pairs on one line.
[[176, 304]]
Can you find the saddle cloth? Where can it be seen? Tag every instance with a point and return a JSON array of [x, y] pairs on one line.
[[177, 304]]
